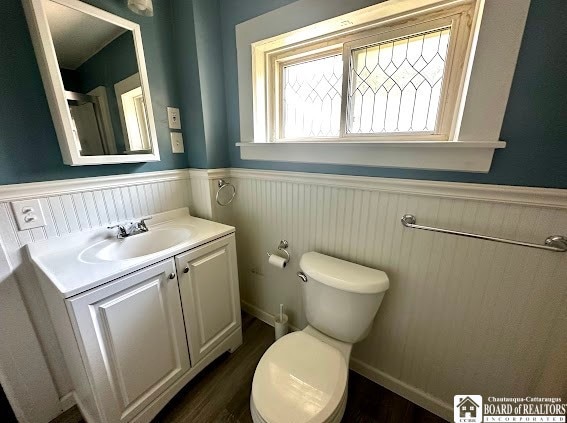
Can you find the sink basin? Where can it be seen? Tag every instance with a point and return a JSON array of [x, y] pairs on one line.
[[135, 246]]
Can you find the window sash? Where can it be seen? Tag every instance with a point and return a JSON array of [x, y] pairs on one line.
[[457, 18]]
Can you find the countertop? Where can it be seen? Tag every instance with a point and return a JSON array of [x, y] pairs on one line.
[[58, 259]]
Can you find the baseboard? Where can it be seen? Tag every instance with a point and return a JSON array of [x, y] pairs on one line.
[[257, 313], [67, 400], [411, 393]]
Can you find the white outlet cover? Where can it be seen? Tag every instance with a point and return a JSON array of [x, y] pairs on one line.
[[173, 118], [28, 214], [177, 142]]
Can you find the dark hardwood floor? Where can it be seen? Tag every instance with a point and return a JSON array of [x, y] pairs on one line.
[[221, 392]]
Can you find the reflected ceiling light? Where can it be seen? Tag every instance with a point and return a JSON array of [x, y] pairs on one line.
[[141, 7]]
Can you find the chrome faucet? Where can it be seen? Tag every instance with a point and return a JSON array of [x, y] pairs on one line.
[[134, 228]]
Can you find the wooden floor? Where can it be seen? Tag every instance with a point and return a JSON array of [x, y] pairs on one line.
[[221, 392]]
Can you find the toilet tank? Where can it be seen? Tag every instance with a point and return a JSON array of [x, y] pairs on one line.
[[341, 298]]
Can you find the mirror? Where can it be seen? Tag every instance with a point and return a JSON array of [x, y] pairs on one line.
[[93, 69]]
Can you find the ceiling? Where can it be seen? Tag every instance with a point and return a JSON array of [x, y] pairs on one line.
[[77, 36]]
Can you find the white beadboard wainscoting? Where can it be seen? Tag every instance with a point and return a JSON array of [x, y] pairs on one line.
[[462, 316], [32, 370]]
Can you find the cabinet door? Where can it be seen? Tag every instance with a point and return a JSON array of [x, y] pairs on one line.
[[133, 340], [208, 282]]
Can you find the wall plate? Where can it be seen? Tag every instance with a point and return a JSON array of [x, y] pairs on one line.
[[177, 142], [28, 214], [173, 118]]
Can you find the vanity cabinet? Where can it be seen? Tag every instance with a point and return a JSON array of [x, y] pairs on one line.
[[209, 293], [133, 338], [132, 343]]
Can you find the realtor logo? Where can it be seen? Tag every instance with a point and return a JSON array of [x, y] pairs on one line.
[[468, 408]]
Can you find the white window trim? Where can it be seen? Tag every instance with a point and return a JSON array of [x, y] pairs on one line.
[[483, 92]]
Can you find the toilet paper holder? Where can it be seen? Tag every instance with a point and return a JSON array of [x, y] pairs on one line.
[[283, 248]]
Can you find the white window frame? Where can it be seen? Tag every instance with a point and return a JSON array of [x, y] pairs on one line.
[[481, 95]]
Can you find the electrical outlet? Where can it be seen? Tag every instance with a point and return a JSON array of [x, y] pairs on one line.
[[173, 118], [177, 142], [28, 214]]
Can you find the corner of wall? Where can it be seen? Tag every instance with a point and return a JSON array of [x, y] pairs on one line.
[[201, 81]]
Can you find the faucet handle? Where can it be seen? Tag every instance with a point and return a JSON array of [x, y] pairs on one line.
[[121, 230], [142, 222]]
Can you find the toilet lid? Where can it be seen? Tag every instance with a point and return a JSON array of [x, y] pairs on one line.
[[299, 379]]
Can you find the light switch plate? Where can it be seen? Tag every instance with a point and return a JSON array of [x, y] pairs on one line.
[[173, 118], [177, 142], [28, 214]]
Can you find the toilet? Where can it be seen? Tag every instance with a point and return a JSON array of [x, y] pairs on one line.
[[303, 376]]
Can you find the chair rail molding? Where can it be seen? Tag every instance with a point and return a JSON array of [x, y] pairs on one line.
[[68, 186], [540, 197]]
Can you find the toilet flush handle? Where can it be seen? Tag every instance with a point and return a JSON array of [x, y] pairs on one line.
[[302, 276]]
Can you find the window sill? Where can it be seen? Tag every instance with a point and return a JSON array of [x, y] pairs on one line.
[[432, 155]]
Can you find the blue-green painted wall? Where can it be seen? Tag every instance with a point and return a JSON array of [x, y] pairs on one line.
[[187, 75], [201, 78], [29, 150], [191, 58], [535, 124]]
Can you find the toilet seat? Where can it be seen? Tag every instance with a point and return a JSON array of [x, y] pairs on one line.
[[300, 379]]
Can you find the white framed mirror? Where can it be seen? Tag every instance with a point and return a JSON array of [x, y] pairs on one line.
[[94, 72]]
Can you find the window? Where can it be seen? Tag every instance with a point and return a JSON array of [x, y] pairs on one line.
[[397, 80], [311, 100], [395, 85], [418, 84]]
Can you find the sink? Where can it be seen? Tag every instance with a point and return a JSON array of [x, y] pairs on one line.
[[135, 246]]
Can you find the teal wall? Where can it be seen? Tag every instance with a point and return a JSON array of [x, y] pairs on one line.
[[187, 75], [29, 150], [535, 124], [201, 79], [191, 59]]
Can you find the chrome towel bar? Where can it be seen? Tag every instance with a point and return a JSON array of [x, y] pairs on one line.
[[556, 243]]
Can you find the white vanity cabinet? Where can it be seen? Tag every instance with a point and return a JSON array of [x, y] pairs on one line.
[[133, 338], [132, 342], [209, 293]]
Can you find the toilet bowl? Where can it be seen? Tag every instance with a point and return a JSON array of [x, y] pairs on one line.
[[303, 377]]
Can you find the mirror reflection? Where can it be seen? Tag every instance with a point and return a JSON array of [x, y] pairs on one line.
[[100, 74]]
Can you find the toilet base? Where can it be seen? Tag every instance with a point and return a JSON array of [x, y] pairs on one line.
[[336, 417]]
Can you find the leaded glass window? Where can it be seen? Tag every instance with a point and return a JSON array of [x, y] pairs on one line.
[[397, 82], [312, 98], [395, 86]]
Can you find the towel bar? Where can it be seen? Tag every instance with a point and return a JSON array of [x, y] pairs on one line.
[[557, 243]]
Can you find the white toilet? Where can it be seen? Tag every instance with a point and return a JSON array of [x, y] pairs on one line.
[[303, 376]]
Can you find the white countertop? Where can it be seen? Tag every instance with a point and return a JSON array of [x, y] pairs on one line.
[[58, 259]]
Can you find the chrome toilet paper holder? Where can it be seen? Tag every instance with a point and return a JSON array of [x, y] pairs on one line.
[[283, 248]]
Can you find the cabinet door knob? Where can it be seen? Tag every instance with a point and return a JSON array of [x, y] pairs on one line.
[[186, 270], [172, 276]]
